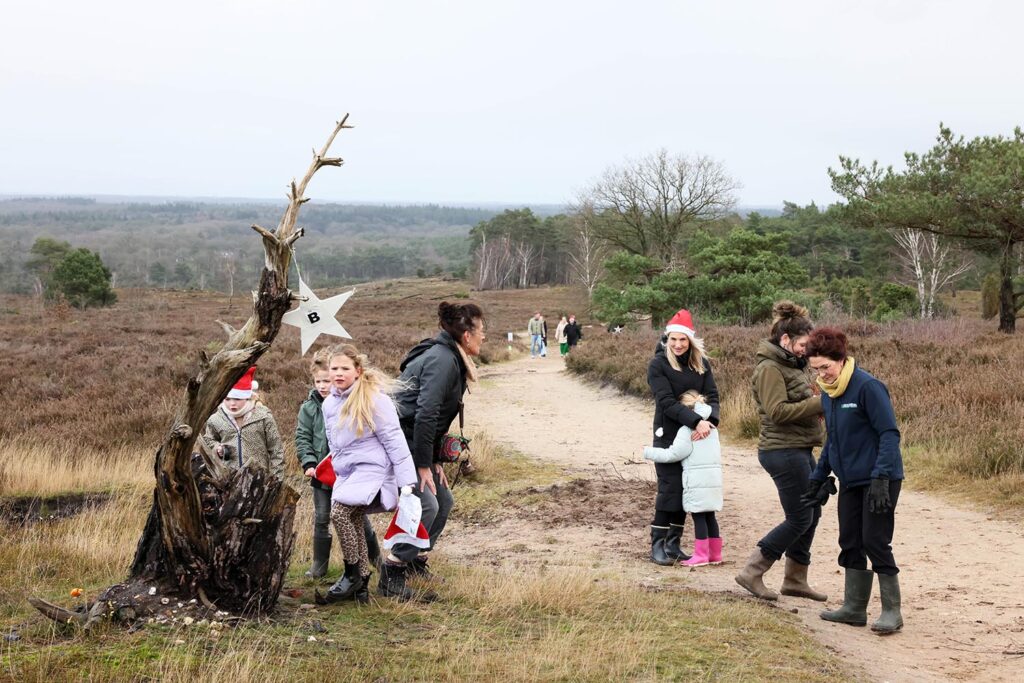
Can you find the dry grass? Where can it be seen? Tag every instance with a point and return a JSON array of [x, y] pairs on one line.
[[957, 387], [551, 624]]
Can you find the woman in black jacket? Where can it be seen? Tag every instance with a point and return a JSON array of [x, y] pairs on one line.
[[679, 365], [435, 375]]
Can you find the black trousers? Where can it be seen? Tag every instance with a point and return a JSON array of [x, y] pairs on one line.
[[668, 504], [865, 535]]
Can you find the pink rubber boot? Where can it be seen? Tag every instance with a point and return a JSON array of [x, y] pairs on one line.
[[700, 554], [715, 551]]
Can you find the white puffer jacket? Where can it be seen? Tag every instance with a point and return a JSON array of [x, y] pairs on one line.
[[702, 465]]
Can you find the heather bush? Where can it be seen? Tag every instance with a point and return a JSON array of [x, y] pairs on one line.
[[957, 387]]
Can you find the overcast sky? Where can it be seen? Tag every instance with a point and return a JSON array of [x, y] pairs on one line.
[[484, 101]]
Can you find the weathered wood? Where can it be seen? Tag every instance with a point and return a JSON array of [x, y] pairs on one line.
[[223, 534]]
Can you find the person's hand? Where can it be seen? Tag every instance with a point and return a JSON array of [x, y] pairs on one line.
[[426, 479], [439, 468], [817, 492], [310, 471], [879, 502], [702, 430]]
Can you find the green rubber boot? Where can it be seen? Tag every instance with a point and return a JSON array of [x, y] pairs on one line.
[[855, 599], [890, 620]]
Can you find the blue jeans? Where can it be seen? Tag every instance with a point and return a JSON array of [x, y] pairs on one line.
[[534, 345], [790, 469]]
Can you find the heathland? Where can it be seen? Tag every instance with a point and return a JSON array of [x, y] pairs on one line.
[[88, 396]]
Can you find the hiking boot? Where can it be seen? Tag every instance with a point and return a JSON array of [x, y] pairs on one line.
[[658, 554], [890, 620], [321, 558], [855, 599], [672, 549], [795, 582], [392, 581], [751, 576], [418, 569]]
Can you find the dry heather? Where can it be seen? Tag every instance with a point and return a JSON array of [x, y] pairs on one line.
[[78, 389], [957, 386]]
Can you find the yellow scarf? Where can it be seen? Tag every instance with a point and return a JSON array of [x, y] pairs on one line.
[[838, 388]]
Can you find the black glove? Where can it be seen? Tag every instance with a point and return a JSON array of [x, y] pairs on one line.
[[818, 492], [878, 496]]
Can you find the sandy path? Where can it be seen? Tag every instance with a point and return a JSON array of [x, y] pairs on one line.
[[963, 573]]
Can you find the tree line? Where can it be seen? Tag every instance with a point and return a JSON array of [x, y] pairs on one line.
[[656, 231], [209, 246]]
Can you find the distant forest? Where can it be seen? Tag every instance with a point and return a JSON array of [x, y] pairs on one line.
[[211, 246]]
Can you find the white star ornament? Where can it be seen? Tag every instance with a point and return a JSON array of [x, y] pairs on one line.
[[314, 317]]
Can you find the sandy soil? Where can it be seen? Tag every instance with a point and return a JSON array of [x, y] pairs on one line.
[[962, 571]]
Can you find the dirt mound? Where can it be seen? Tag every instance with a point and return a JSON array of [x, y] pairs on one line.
[[622, 503]]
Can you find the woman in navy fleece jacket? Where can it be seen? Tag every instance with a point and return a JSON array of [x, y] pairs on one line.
[[862, 449]]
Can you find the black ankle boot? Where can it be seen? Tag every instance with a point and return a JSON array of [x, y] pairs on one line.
[[658, 555], [392, 582], [363, 594], [347, 586], [672, 549]]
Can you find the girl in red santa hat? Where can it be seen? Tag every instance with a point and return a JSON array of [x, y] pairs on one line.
[[679, 365], [243, 432]]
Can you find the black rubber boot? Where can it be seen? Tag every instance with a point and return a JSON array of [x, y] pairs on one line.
[[372, 548], [392, 582], [890, 620], [672, 549], [658, 554], [321, 558], [347, 586], [855, 599]]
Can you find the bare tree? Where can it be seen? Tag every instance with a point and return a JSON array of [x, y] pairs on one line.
[[495, 261], [586, 252], [931, 262], [644, 206], [221, 535], [230, 266]]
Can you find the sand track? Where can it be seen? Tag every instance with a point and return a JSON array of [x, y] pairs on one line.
[[962, 571]]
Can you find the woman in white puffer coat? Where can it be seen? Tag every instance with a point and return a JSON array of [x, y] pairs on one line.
[[702, 481]]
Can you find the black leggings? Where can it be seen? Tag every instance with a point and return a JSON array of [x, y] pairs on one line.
[[705, 525]]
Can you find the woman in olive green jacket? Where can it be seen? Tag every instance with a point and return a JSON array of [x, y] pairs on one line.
[[790, 427]]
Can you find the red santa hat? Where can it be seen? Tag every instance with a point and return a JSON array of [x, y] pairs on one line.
[[396, 534], [244, 387], [682, 321]]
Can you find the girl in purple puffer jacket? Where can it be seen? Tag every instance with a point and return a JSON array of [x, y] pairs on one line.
[[370, 456]]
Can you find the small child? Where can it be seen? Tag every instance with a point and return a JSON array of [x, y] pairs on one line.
[[242, 431], [702, 481], [310, 448]]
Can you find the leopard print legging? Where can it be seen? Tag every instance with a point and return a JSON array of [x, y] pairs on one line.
[[348, 525]]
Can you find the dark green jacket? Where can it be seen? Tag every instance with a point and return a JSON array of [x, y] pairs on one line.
[[310, 436], [788, 408]]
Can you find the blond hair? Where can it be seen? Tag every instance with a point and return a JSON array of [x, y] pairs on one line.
[[692, 398], [321, 362], [358, 408], [696, 356]]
